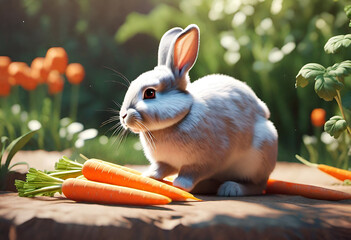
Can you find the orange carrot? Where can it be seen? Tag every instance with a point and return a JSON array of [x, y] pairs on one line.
[[127, 169], [309, 191], [39, 183], [102, 172], [338, 173], [96, 192]]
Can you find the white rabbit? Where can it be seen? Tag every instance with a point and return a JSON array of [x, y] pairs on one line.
[[212, 132]]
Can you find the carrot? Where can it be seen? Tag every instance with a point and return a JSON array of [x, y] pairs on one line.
[[77, 189], [127, 169], [89, 191], [309, 191], [102, 172], [338, 173]]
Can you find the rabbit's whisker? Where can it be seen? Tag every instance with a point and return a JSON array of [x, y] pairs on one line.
[[149, 136], [119, 74], [112, 119], [121, 135]]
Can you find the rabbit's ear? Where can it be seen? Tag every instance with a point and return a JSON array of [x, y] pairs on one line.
[[165, 44], [185, 50]]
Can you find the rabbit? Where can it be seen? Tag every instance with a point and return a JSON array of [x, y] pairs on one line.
[[213, 132]]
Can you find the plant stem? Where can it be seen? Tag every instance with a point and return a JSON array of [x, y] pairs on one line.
[[338, 100], [56, 120], [32, 105], [74, 101]]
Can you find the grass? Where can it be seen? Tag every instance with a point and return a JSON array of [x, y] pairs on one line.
[[104, 148]]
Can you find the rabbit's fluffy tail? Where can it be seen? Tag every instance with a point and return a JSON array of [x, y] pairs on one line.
[[263, 109]]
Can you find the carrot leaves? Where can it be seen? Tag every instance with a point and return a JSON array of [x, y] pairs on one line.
[[38, 183]]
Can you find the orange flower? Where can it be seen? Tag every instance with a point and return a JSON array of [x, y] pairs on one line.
[[55, 82], [56, 59], [5, 88], [17, 72], [318, 117], [20, 74], [4, 64], [38, 69], [30, 82], [75, 73]]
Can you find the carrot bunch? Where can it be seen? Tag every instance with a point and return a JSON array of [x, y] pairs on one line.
[[101, 182]]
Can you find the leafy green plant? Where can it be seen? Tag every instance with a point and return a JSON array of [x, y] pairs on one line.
[[328, 84], [8, 152]]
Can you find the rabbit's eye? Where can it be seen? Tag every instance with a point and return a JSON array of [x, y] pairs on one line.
[[149, 93]]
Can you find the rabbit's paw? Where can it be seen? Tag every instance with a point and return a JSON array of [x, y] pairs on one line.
[[153, 173], [230, 189], [184, 182]]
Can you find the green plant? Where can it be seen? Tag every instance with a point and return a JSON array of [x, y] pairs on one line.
[[8, 152], [103, 147], [329, 81]]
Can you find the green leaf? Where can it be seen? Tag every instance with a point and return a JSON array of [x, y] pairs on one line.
[[342, 69], [18, 163], [137, 23], [309, 71], [336, 42], [326, 87], [335, 126], [301, 81], [347, 10], [3, 141], [17, 145]]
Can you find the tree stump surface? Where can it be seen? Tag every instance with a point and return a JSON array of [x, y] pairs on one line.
[[254, 217]]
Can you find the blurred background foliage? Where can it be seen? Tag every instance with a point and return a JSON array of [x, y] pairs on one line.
[[264, 43]]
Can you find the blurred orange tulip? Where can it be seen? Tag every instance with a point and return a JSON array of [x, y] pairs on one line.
[[20, 74], [38, 69], [17, 72], [4, 64], [55, 82], [30, 82], [318, 117], [75, 73], [56, 59], [5, 88]]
